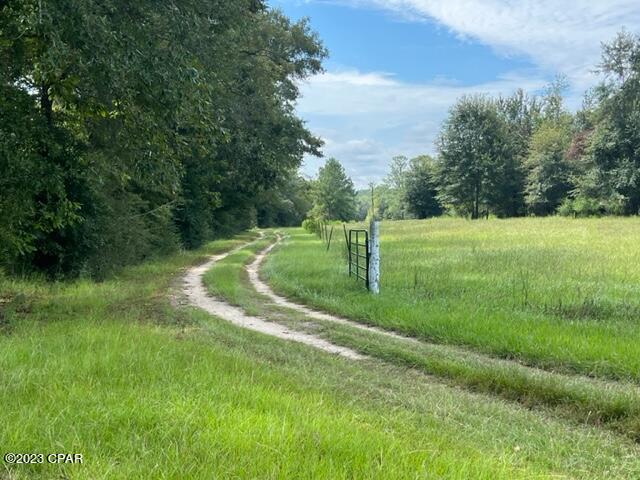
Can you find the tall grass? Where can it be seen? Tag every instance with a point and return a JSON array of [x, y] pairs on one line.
[[557, 293], [143, 390], [583, 400]]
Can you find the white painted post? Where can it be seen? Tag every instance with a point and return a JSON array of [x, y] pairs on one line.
[[374, 258]]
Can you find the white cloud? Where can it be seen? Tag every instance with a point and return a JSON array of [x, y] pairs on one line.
[[353, 93], [353, 77], [367, 118], [557, 35]]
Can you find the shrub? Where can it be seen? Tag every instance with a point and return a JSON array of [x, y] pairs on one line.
[[310, 225], [583, 206]]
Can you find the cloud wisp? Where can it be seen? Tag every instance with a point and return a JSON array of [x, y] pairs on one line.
[[557, 35], [367, 118]]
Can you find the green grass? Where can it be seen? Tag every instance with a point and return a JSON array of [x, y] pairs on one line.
[[229, 280], [557, 293], [580, 399], [141, 402], [142, 390], [222, 279]]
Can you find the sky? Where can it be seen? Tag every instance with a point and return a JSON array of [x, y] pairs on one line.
[[396, 67]]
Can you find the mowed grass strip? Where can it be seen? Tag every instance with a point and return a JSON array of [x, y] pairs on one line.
[[581, 399], [142, 390], [139, 402], [222, 279], [560, 294]]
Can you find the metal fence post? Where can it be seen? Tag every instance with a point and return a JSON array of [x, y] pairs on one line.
[[357, 252], [374, 259], [330, 235], [349, 252], [346, 241]]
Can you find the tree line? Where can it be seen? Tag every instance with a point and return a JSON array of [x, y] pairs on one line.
[[528, 155], [331, 195], [131, 129]]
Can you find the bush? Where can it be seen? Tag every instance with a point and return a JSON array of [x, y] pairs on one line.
[[590, 207], [566, 208], [310, 225]]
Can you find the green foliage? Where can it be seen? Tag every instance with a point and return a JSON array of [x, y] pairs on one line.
[[520, 154], [611, 159], [479, 169], [394, 189], [581, 207], [334, 197], [129, 128], [421, 188], [39, 184], [363, 201], [522, 113], [285, 205], [548, 171], [409, 191], [310, 225]]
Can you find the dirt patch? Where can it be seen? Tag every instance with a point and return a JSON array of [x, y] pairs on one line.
[[197, 295], [264, 289]]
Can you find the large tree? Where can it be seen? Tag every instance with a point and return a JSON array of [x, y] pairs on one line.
[[127, 126], [613, 177], [477, 163], [394, 188], [421, 190], [333, 193], [549, 172]]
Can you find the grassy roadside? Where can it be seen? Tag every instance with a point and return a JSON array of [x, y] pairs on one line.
[[507, 422], [142, 390], [141, 402], [554, 293], [605, 403]]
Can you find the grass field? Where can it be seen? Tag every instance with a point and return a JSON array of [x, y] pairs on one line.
[[507, 422], [582, 399], [557, 293], [146, 390]]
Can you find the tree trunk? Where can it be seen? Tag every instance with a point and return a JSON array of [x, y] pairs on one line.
[[476, 207], [45, 103]]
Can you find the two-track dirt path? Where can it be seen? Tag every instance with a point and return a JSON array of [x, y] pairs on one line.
[[197, 295], [264, 289], [448, 351]]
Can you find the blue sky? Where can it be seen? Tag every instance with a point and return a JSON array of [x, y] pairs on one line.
[[397, 66]]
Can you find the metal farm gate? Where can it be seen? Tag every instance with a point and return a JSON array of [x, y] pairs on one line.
[[359, 254], [363, 252]]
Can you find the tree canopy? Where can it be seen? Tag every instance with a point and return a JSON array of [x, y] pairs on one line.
[[334, 197], [129, 128], [421, 188], [476, 161], [519, 155]]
